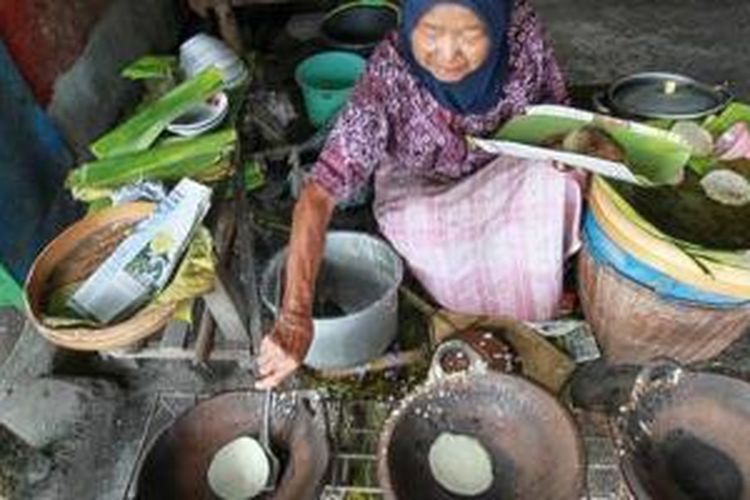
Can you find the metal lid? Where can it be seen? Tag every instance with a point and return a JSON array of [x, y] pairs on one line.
[[666, 95]]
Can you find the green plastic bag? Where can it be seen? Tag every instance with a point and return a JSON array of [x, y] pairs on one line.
[[10, 291]]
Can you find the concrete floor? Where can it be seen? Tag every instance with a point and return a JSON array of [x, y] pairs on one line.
[[596, 41], [602, 40]]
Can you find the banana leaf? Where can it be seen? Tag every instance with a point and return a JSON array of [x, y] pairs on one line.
[[716, 126], [534, 129], [254, 176], [656, 159], [172, 161], [659, 160], [96, 203], [141, 130], [208, 170], [196, 273], [735, 112], [684, 216], [151, 67], [701, 166]]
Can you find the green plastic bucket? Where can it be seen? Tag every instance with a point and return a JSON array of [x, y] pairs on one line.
[[327, 80]]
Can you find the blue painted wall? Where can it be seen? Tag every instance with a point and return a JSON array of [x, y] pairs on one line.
[[33, 162]]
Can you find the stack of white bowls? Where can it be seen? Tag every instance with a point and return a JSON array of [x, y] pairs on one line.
[[203, 51]]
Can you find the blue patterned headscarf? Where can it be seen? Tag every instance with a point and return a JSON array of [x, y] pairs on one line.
[[481, 90]]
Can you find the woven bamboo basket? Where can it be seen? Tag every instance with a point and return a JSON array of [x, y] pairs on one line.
[[633, 324], [73, 256]]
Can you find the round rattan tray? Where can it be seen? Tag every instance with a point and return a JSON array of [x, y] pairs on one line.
[[71, 257]]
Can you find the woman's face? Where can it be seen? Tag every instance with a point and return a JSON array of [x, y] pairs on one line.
[[450, 42]]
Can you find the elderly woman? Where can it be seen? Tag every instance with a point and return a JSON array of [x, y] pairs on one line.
[[482, 235]]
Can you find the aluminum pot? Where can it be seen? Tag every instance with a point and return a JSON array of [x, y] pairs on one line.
[[684, 435], [360, 274], [533, 442]]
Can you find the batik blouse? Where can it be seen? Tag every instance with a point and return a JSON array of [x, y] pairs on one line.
[[390, 115]]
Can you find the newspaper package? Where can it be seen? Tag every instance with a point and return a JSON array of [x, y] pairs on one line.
[[572, 336], [145, 261]]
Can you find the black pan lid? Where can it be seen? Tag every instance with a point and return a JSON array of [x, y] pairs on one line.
[[666, 96]]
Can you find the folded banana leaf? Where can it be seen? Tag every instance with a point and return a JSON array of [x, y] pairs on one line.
[[199, 158], [659, 160], [717, 125], [141, 130], [254, 176], [535, 129], [651, 157], [151, 67], [196, 273], [735, 112]]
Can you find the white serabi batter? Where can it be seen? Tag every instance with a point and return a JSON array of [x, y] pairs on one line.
[[239, 469], [460, 464]]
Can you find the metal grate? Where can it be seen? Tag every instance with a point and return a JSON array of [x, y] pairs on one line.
[[355, 429], [604, 480]]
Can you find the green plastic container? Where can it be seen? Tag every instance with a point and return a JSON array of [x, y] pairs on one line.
[[10, 292], [327, 80]]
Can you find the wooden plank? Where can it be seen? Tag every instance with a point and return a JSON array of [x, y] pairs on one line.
[[156, 353], [223, 238], [175, 335], [225, 312], [204, 339], [247, 275], [239, 355]]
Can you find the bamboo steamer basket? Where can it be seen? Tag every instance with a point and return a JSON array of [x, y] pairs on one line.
[[73, 256], [633, 324], [641, 241]]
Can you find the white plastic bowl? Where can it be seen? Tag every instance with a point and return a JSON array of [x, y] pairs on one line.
[[202, 118], [203, 51]]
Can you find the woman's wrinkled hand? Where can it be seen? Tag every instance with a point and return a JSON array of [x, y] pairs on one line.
[[283, 350]]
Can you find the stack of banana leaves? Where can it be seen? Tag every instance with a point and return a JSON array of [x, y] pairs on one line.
[[135, 151]]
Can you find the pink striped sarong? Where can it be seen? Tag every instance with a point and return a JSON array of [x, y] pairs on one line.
[[493, 242]]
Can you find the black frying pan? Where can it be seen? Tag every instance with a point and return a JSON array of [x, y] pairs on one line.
[[661, 95], [175, 464], [534, 445], [359, 25], [684, 436]]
